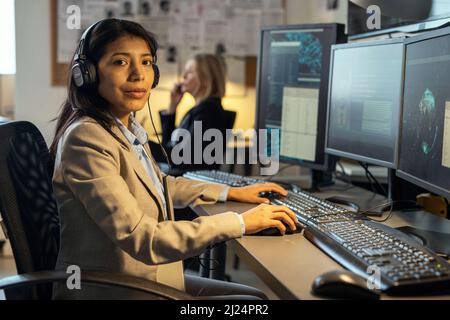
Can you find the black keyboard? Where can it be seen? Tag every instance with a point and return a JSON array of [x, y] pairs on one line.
[[365, 247], [233, 180]]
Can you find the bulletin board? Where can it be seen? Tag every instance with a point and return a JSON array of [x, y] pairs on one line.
[[183, 27]]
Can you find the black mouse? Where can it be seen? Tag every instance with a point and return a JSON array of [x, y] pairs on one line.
[[275, 232], [343, 284], [271, 195]]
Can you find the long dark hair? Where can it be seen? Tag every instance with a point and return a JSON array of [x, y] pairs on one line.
[[87, 102]]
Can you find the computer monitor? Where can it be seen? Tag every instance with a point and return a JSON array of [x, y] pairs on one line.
[[425, 136], [292, 86], [364, 105]]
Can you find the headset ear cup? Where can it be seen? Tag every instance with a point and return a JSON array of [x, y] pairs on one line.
[[77, 75], [84, 74], [155, 76], [90, 75]]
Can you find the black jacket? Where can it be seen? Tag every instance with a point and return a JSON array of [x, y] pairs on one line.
[[211, 114]]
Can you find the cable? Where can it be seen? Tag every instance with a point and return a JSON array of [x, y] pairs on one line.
[[157, 136], [391, 203], [368, 178], [345, 177], [368, 173]]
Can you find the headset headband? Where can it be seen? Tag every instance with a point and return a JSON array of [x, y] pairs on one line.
[[83, 46]]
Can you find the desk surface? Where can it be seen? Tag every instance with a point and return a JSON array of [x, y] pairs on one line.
[[289, 264]]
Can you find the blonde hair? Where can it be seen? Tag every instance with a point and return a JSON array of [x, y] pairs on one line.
[[211, 70]]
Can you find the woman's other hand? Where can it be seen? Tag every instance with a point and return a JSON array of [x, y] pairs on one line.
[[251, 193], [175, 97]]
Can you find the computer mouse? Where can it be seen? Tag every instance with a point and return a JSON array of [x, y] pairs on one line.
[[343, 284], [275, 232], [271, 195]]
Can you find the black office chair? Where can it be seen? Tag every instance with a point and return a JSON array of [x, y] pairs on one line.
[[30, 217], [229, 119]]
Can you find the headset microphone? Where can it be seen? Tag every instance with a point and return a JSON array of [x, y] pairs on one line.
[[166, 157]]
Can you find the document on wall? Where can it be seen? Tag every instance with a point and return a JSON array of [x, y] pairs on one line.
[[74, 16], [272, 17], [237, 34], [253, 31], [225, 26], [191, 32], [213, 36], [67, 38]]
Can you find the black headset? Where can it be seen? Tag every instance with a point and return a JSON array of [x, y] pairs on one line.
[[84, 72]]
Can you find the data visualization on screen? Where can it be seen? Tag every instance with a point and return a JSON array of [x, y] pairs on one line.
[[292, 86], [425, 140]]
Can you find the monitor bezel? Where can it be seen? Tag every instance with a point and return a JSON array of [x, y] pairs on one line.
[[399, 172], [353, 156], [338, 37], [427, 25]]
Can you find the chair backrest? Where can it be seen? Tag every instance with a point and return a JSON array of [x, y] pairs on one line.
[[27, 203], [229, 119]]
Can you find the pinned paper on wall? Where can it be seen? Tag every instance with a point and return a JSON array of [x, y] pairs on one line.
[[226, 27]]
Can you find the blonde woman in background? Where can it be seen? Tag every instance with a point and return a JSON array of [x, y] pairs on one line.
[[204, 79]]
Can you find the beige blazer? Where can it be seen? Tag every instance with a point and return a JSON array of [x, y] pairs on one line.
[[111, 214]]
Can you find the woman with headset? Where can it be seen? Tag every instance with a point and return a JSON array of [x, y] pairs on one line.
[[115, 206]]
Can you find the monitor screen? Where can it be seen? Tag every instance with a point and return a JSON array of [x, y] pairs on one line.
[[365, 101], [292, 90], [425, 139]]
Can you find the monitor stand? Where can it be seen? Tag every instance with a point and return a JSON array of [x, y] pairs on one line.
[[320, 179], [401, 202]]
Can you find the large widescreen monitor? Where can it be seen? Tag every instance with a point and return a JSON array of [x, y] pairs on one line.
[[292, 88], [364, 105], [425, 139]]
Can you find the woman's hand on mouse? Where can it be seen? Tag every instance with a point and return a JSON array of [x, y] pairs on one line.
[[269, 216], [175, 97], [250, 194]]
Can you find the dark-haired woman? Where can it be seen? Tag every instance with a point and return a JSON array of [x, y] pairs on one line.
[[115, 213]]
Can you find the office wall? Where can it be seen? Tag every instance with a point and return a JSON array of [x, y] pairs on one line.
[[7, 89], [315, 11], [37, 101]]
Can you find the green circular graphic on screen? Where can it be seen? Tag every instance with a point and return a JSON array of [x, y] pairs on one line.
[[428, 129]]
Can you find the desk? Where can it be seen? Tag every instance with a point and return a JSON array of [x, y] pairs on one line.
[[289, 264]]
